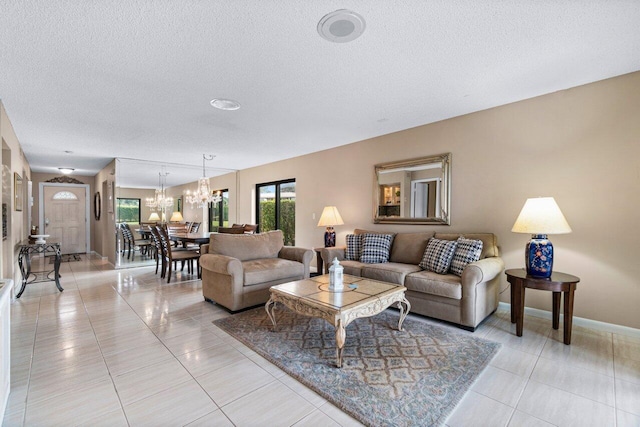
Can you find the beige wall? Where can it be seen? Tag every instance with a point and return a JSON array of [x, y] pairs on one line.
[[103, 237], [17, 221], [580, 146]]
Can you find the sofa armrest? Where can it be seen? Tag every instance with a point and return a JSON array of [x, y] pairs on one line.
[[483, 270], [222, 264], [301, 255], [328, 254], [204, 249]]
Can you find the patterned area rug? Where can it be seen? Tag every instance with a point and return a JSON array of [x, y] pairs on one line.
[[409, 378]]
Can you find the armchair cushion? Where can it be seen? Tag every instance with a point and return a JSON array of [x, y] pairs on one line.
[[246, 247], [270, 269]]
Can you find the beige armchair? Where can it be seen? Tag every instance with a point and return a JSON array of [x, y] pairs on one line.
[[239, 269]]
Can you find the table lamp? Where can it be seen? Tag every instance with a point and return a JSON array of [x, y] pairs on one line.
[[176, 217], [330, 217], [154, 217], [539, 217]]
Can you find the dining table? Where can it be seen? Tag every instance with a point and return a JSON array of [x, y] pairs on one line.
[[199, 238]]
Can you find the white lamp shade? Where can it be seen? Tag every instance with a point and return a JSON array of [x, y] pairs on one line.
[[154, 217], [541, 215], [176, 217], [330, 217]]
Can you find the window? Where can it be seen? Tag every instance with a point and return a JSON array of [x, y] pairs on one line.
[[276, 208], [128, 210], [65, 195], [219, 212]]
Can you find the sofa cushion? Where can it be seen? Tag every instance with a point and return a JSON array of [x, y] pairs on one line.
[[489, 241], [375, 248], [354, 247], [428, 282], [437, 256], [389, 272], [467, 251], [408, 248], [264, 270], [353, 268], [247, 246]]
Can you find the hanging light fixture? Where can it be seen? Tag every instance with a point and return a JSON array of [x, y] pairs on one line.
[[160, 201], [203, 195]]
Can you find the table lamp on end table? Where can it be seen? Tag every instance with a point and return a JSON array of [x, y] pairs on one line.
[[539, 217], [330, 217]]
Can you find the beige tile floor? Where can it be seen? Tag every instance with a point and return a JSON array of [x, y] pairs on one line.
[[124, 348]]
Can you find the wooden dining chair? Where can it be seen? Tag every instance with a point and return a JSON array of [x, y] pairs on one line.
[[172, 256], [231, 230], [160, 260], [142, 244]]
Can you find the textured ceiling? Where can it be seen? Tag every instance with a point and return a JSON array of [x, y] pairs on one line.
[[134, 78]]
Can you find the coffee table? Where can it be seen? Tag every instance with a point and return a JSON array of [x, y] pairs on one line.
[[360, 298]]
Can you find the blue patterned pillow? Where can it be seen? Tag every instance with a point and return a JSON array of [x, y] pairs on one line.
[[467, 251], [437, 256], [354, 247], [375, 248]]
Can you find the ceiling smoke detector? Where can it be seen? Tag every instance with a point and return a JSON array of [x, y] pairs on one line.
[[225, 104], [341, 26]]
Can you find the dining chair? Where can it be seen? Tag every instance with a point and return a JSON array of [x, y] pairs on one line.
[[231, 230], [160, 260], [195, 226], [172, 256], [142, 244]]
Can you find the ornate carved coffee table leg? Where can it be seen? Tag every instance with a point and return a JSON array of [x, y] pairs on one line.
[[341, 336], [404, 310], [270, 306]]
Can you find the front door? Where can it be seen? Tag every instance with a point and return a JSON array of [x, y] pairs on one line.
[[65, 217]]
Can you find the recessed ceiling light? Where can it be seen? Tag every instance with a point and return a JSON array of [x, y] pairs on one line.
[[225, 104], [68, 152], [341, 26], [66, 171]]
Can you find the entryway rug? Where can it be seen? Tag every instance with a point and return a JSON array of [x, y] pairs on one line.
[[389, 378], [66, 258]]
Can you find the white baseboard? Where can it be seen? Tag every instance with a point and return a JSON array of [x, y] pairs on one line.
[[580, 321], [102, 258]]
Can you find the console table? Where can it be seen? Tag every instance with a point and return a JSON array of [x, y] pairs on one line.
[[27, 249], [558, 283]]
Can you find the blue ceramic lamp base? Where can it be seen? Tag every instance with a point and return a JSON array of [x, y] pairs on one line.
[[329, 238], [539, 256]]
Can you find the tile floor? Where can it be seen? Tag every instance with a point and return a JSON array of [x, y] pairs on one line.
[[124, 348]]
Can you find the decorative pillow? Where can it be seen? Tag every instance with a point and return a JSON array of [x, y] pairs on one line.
[[437, 256], [354, 247], [375, 248], [467, 251]]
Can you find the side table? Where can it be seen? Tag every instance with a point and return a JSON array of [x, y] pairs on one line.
[[558, 283], [319, 261], [27, 249]]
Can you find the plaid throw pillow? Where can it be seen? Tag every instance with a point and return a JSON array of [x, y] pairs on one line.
[[354, 247], [375, 248], [437, 256], [467, 251]]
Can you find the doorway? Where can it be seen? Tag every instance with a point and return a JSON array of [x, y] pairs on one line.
[[64, 214], [425, 200]]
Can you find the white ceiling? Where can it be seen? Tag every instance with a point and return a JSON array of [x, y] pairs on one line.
[[134, 78]]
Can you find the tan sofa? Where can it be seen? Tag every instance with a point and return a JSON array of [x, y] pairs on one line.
[[465, 300], [239, 269]]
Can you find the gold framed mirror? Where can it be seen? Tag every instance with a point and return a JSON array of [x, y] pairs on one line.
[[414, 191]]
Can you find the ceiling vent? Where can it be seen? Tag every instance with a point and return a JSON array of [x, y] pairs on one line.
[[341, 26]]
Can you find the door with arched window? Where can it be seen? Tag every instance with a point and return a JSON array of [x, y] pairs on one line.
[[65, 217]]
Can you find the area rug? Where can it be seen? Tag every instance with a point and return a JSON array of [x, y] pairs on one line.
[[389, 378]]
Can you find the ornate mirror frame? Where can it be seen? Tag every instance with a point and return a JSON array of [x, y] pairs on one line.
[[390, 206]]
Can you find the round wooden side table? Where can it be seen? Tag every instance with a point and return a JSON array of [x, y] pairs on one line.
[[558, 283]]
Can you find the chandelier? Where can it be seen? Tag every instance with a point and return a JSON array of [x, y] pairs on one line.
[[160, 201], [203, 195]]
